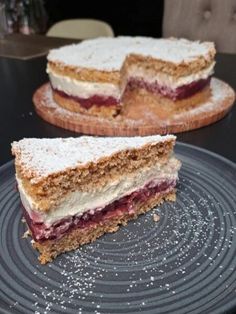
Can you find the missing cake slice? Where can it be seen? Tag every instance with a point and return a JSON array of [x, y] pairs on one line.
[[74, 190], [95, 76]]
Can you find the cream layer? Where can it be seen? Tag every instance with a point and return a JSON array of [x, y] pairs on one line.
[[86, 90], [83, 89], [78, 202]]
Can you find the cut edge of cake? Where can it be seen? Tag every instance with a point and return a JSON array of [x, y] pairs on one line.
[[77, 187], [85, 80]]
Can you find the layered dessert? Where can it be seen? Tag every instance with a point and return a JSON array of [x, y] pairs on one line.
[[76, 189], [93, 77]]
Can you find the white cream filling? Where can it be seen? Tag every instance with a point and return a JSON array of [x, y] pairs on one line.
[[83, 89], [169, 81], [88, 89], [76, 203]]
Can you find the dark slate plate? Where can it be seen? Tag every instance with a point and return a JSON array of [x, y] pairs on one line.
[[185, 263]]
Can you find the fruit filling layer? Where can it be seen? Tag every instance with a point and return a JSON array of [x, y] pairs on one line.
[[87, 103], [89, 219], [178, 93]]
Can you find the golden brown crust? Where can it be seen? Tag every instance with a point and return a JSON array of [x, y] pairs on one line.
[[147, 64], [50, 249], [74, 106], [173, 69], [51, 190], [92, 75], [84, 74]]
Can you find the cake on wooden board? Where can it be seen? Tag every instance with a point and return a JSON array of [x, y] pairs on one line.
[[93, 77], [74, 190]]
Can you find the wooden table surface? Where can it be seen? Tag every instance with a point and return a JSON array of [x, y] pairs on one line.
[[26, 47]]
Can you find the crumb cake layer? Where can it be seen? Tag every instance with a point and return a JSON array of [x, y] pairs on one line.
[[98, 72], [49, 169], [76, 183]]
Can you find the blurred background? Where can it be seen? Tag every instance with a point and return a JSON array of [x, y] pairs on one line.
[[142, 17], [213, 20]]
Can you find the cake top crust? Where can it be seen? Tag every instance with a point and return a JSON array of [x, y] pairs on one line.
[[108, 54], [39, 158]]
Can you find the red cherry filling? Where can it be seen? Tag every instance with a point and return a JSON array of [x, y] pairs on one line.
[[40, 232], [179, 93], [87, 103]]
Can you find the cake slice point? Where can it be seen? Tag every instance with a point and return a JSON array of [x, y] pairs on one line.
[[76, 189]]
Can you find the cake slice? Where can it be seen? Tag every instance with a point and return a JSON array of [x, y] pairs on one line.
[[74, 190], [93, 77]]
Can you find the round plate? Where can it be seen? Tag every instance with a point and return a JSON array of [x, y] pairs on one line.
[[139, 118], [185, 263]]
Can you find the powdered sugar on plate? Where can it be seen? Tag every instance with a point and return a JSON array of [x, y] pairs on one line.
[[146, 120]]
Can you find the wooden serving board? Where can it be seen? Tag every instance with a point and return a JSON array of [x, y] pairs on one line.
[[145, 120]]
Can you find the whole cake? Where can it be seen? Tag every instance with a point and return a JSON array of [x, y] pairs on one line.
[[92, 77], [76, 189]]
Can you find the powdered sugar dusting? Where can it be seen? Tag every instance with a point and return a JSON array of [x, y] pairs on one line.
[[42, 157], [108, 54]]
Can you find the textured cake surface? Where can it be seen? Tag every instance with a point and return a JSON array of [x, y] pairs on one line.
[[76, 189], [108, 54], [94, 76], [39, 158]]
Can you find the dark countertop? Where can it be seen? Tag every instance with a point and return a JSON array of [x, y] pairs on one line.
[[20, 78], [25, 47]]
